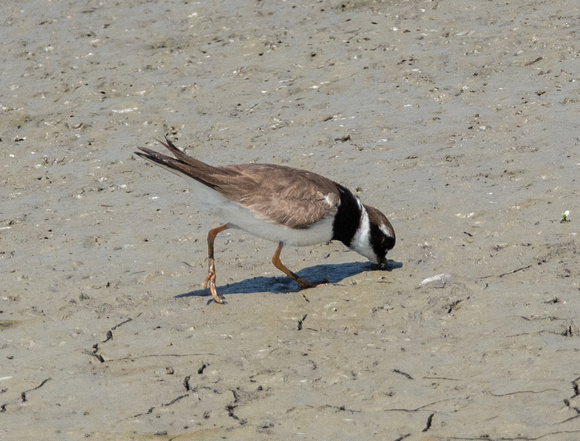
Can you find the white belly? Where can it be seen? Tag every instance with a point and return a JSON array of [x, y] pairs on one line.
[[237, 216]]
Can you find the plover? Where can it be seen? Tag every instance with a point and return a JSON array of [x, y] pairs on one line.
[[282, 204]]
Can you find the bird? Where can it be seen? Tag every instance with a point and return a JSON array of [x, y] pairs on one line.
[[285, 205]]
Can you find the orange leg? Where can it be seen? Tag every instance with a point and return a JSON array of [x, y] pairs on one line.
[[210, 279], [278, 264]]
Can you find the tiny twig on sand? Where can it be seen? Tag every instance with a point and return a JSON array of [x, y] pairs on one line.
[[509, 272]]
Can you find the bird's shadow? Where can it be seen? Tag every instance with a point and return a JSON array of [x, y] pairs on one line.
[[332, 274]]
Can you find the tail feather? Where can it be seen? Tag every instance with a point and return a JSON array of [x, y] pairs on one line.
[[181, 164], [173, 149]]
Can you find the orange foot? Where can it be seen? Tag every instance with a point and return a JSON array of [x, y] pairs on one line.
[[210, 280], [304, 284]]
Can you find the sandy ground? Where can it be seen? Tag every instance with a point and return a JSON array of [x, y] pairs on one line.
[[459, 119]]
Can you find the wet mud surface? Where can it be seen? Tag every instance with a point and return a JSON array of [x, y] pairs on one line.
[[457, 119]]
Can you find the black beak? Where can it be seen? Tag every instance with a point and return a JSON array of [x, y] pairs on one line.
[[382, 265]]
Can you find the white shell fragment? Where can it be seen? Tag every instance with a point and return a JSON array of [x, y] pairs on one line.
[[443, 278]]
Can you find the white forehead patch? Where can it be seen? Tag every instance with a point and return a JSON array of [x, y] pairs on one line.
[[386, 231]]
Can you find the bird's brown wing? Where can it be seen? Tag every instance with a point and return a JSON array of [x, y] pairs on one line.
[[288, 196]]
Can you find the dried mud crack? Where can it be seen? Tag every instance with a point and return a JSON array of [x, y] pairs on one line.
[[24, 394]]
